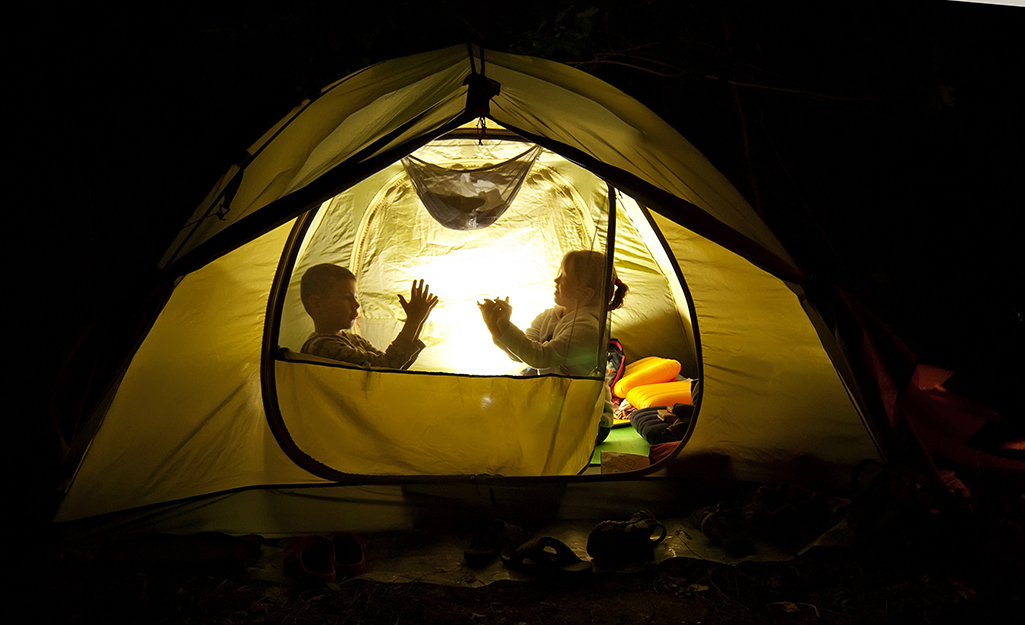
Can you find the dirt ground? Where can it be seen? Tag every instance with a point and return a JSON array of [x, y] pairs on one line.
[[939, 569], [825, 588]]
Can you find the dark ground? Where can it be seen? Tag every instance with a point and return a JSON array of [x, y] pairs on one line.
[[969, 572], [905, 554], [809, 590], [882, 140]]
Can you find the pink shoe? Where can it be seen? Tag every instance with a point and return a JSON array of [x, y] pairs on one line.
[[311, 559], [350, 554]]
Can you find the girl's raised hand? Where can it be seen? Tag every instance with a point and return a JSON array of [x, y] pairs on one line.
[[496, 313]]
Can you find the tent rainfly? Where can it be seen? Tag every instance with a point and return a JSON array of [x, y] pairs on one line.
[[476, 171]]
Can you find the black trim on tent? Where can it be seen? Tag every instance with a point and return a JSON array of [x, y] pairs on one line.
[[694, 331], [268, 379], [610, 250]]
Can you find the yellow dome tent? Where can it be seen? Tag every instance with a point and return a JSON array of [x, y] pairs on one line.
[[214, 421]]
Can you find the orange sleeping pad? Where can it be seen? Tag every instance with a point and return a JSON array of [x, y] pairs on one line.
[[650, 370], [663, 394]]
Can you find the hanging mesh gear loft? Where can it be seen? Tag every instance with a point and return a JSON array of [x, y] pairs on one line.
[[469, 199]]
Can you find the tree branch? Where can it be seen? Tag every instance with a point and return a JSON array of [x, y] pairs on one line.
[[644, 64]]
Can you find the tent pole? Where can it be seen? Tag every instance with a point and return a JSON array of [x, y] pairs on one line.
[[610, 241]]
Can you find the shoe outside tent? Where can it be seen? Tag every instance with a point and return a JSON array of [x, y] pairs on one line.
[[474, 170]]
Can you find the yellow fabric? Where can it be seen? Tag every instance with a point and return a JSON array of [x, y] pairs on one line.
[[188, 417], [655, 318], [347, 117], [651, 370], [538, 96], [374, 423], [772, 402]]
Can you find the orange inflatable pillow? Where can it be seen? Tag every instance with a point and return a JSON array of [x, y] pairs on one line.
[[664, 394], [650, 370]]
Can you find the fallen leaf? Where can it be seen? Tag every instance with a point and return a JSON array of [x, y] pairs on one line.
[[790, 607]]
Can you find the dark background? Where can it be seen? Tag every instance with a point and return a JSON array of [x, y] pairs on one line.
[[882, 140]]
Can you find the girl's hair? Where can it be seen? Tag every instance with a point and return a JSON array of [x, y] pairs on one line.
[[589, 267]]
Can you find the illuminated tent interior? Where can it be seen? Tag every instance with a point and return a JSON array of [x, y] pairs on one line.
[[217, 422], [393, 240]]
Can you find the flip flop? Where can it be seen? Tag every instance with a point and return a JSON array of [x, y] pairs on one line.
[[546, 555], [726, 526], [490, 539], [310, 560]]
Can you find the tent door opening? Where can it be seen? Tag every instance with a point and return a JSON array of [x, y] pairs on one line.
[[464, 406]]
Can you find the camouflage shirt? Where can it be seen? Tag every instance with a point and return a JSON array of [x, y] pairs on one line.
[[355, 349]]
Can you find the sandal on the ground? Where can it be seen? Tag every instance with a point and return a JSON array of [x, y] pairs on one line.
[[490, 539], [724, 525], [787, 512], [625, 541], [350, 554], [545, 555], [309, 560]]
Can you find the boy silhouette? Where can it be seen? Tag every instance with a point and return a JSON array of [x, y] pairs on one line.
[[328, 293]]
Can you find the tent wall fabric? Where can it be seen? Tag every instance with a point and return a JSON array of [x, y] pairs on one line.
[[384, 107], [192, 420]]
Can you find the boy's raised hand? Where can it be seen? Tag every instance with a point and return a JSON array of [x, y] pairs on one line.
[[421, 303]]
